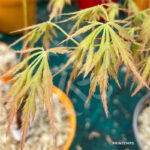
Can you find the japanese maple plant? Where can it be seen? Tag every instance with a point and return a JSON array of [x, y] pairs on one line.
[[109, 43]]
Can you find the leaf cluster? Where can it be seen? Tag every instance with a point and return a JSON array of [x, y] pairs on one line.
[[103, 59], [106, 11], [141, 52], [35, 79], [43, 30]]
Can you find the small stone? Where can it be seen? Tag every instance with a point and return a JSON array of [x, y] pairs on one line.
[[44, 138], [78, 147], [94, 134], [60, 140]]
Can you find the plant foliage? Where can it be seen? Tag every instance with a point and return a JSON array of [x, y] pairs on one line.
[[31, 79], [113, 49], [44, 31], [141, 52], [36, 78], [107, 45], [94, 14]]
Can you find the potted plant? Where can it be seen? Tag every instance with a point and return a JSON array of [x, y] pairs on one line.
[[105, 48]]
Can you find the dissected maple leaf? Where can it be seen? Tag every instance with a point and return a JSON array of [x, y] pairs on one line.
[[94, 14], [145, 72], [48, 92], [140, 24], [46, 30], [36, 78], [37, 31], [101, 59]]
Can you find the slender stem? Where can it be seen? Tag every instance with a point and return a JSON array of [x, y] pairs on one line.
[[25, 13], [64, 33]]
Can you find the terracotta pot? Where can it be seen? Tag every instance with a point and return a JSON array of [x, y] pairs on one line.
[[90, 3], [143, 4], [11, 14]]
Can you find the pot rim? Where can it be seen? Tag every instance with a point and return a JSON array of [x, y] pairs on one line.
[[68, 104], [138, 109]]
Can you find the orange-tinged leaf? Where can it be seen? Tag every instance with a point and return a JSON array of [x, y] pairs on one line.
[[126, 77], [24, 29], [28, 111], [126, 56], [145, 75], [59, 50], [48, 93], [103, 88], [92, 89], [13, 112], [28, 50]]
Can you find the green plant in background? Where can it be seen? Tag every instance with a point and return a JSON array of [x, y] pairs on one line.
[[107, 45]]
